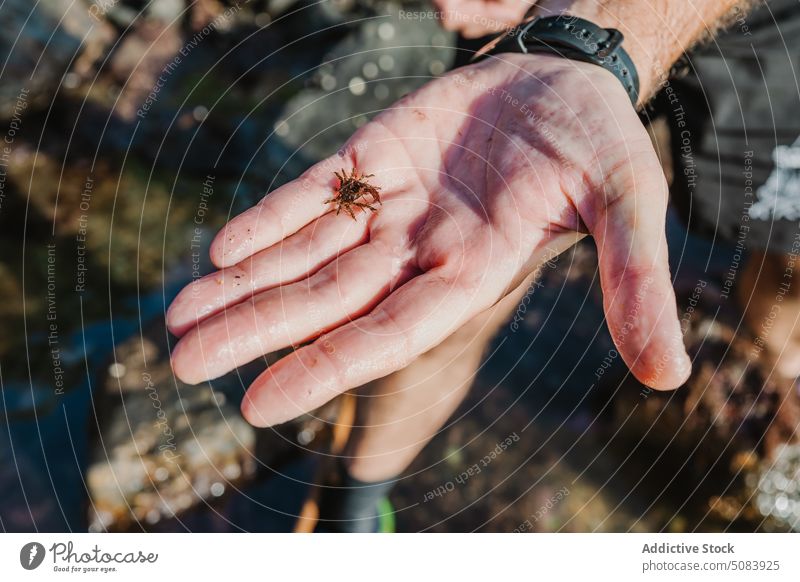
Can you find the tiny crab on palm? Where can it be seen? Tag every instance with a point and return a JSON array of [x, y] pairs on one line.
[[353, 190]]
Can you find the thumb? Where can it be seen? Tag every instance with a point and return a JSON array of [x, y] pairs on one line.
[[627, 220]]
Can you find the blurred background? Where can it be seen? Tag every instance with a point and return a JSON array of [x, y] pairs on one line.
[[133, 129]]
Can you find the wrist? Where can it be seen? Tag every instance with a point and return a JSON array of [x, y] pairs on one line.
[[641, 42], [656, 33], [575, 39]]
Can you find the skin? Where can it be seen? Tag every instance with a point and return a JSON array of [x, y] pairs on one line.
[[475, 193], [400, 413], [477, 189], [405, 409], [476, 18]]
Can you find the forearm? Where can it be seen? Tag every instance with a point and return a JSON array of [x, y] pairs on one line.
[[657, 32]]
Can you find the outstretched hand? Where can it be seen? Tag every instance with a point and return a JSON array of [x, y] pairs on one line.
[[483, 173]]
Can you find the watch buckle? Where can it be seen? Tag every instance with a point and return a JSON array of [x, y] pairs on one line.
[[611, 43]]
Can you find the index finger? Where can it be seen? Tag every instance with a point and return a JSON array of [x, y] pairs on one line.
[[279, 214], [398, 330]]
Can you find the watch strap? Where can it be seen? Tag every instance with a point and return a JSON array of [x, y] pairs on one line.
[[572, 38]]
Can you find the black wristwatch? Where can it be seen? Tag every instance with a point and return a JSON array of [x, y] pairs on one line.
[[573, 38]]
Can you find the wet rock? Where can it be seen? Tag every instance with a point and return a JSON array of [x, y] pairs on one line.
[[140, 59], [374, 63], [163, 452], [721, 434], [44, 42], [163, 447], [777, 494], [533, 386], [718, 454]]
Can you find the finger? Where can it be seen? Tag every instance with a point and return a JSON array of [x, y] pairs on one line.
[[640, 306], [280, 213], [412, 320], [475, 18], [288, 315], [291, 260]]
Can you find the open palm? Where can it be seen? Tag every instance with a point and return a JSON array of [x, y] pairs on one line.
[[483, 173]]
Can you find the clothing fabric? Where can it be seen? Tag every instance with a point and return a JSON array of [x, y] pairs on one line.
[[735, 131]]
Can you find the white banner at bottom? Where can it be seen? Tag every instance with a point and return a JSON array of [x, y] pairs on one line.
[[377, 557]]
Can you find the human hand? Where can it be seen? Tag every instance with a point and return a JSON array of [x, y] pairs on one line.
[[484, 173], [476, 18]]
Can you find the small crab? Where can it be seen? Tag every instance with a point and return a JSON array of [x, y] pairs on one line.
[[353, 190]]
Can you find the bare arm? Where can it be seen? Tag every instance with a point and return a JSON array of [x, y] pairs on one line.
[[657, 32]]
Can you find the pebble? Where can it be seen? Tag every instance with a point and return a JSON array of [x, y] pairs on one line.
[[381, 92], [117, 370], [328, 82], [370, 70], [386, 31], [357, 86], [200, 113], [436, 67], [777, 492], [386, 62]]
